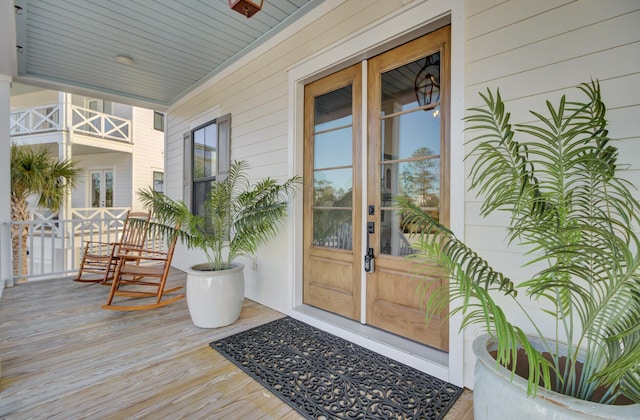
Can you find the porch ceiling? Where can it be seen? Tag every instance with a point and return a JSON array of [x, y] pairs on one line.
[[72, 45]]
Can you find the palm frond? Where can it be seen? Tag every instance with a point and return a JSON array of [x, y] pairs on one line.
[[557, 179], [239, 217]]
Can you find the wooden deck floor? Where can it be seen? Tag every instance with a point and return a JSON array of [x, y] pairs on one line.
[[64, 357]]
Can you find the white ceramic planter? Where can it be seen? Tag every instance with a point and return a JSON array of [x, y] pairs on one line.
[[497, 396], [215, 298]]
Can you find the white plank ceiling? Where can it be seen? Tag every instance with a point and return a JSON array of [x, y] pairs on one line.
[[175, 44]]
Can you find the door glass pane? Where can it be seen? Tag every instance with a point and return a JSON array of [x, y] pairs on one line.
[[332, 228], [333, 109], [413, 85], [333, 169], [333, 148], [417, 180], [395, 236], [332, 188], [410, 137], [108, 189], [95, 189]]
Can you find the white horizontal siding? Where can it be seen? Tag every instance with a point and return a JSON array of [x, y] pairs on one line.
[[33, 99], [534, 51], [256, 95], [119, 163], [148, 153]]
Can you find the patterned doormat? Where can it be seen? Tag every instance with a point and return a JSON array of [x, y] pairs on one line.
[[325, 377]]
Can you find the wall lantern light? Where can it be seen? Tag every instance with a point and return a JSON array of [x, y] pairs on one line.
[[246, 7], [427, 82]]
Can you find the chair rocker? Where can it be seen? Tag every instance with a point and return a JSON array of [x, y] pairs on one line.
[[142, 274], [98, 264]]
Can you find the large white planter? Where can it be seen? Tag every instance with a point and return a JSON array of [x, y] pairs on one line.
[[215, 298], [497, 396]]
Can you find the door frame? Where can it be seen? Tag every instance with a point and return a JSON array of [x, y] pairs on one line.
[[405, 24]]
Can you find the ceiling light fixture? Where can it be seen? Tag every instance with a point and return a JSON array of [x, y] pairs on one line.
[[123, 59], [246, 7]]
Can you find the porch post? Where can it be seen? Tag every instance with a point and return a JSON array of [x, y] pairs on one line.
[[8, 66], [64, 147], [65, 152], [5, 183]]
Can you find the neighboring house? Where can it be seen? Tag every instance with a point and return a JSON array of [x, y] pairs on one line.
[[336, 97], [120, 148]]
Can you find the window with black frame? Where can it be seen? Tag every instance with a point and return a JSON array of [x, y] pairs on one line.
[[205, 163], [210, 144]]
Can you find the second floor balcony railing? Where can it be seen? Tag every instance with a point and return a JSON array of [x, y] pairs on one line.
[[86, 121], [35, 120]]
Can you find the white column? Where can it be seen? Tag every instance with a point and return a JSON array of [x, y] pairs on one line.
[[5, 183], [65, 152], [64, 147]]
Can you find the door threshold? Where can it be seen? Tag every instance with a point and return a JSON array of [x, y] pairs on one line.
[[366, 336]]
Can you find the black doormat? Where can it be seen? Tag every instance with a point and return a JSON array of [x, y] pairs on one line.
[[325, 377]]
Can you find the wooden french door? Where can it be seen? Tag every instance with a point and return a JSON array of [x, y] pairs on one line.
[[407, 104], [407, 149], [333, 193]]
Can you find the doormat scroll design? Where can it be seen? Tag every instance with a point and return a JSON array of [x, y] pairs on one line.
[[324, 376]]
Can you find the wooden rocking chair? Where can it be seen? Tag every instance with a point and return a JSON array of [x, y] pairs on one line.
[[100, 258], [143, 275]]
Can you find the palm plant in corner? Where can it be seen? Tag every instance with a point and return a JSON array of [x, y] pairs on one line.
[[239, 218], [577, 221]]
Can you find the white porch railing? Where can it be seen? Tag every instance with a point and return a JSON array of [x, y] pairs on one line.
[[55, 246], [83, 120]]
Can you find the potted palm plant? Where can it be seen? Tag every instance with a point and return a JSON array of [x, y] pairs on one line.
[[578, 222], [238, 219]]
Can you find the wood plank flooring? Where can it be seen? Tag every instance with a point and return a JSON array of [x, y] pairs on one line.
[[64, 357]]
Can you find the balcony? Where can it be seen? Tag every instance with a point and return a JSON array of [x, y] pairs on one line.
[[72, 118]]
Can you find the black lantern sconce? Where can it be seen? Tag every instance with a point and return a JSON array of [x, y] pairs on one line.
[[427, 82]]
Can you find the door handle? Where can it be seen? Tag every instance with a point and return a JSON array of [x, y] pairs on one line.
[[368, 261], [369, 257]]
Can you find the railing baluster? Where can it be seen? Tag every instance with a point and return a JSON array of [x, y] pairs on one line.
[[55, 245]]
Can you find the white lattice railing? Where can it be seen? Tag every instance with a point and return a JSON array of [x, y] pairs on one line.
[[83, 120], [54, 246], [35, 120], [96, 123]]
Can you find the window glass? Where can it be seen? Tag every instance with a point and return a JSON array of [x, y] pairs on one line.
[[209, 159], [205, 144], [158, 121], [158, 181]]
